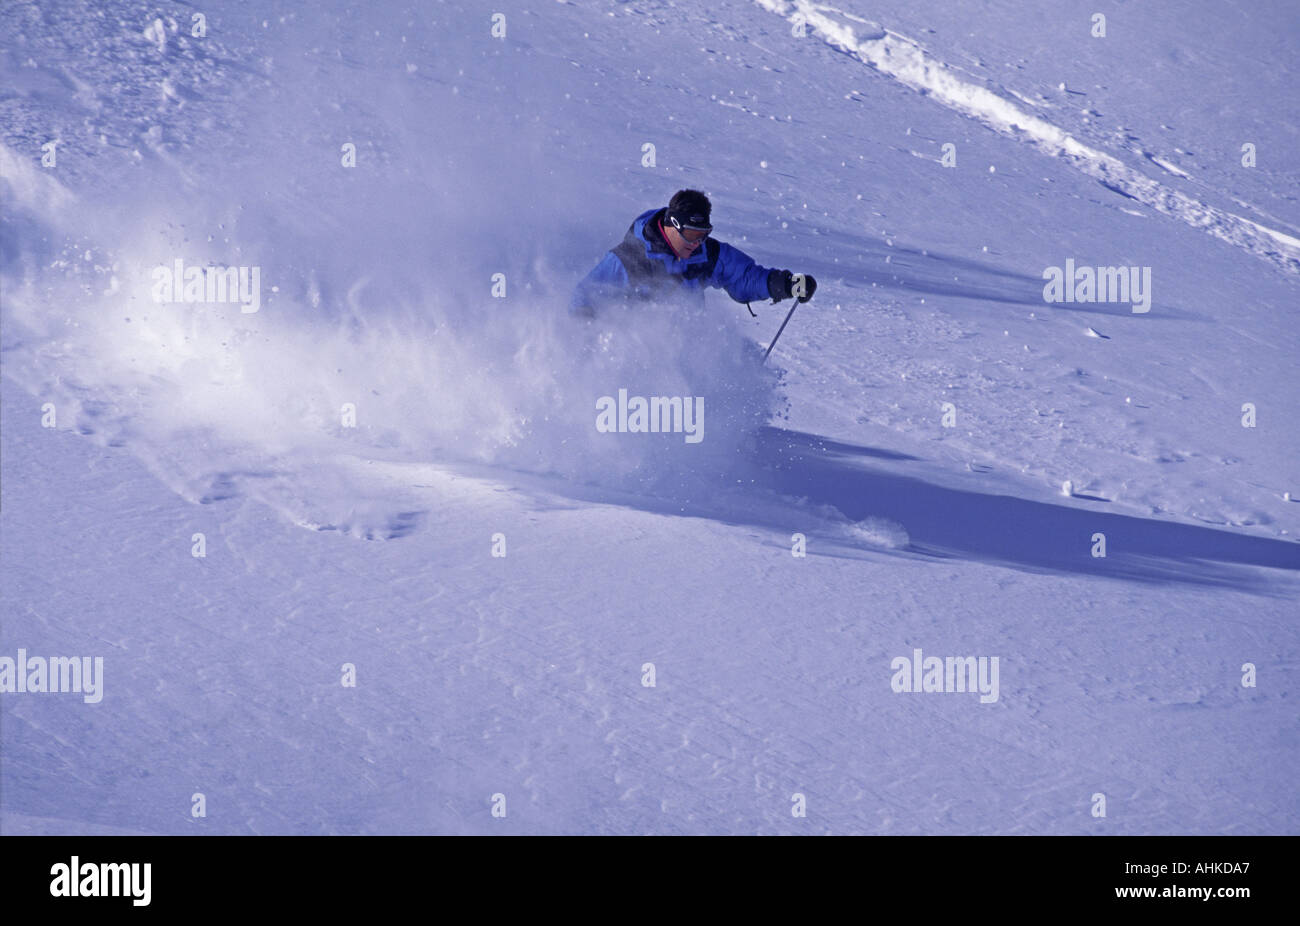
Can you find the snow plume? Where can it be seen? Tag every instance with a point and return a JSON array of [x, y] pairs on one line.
[[409, 310]]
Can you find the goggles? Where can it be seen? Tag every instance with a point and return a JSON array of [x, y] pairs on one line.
[[693, 234]]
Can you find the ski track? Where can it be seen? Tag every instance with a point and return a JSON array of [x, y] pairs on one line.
[[905, 60]]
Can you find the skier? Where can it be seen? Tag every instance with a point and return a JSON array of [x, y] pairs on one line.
[[668, 252]]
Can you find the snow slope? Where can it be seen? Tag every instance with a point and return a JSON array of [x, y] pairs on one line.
[[523, 675]]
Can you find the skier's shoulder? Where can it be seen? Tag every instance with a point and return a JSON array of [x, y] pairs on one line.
[[644, 240], [640, 223]]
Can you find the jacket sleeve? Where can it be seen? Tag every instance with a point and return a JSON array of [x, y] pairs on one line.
[[607, 281], [744, 280]]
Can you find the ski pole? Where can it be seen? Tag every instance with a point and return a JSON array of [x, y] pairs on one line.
[[779, 330], [783, 324]]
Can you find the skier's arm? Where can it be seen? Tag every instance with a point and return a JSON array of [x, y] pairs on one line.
[[742, 278], [608, 279]]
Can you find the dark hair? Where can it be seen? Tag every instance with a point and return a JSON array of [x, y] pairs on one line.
[[690, 209]]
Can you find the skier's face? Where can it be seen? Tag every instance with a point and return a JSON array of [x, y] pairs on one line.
[[687, 240]]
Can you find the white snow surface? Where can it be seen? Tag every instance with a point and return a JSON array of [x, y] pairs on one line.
[[913, 431]]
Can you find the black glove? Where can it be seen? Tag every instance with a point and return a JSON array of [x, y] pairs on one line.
[[781, 284]]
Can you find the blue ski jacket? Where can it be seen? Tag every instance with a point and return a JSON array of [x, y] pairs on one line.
[[643, 267]]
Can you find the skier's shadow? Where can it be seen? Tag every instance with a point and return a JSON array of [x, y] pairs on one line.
[[1038, 536], [916, 270], [932, 272]]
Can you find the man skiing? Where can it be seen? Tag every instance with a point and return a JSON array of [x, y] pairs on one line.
[[667, 254]]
